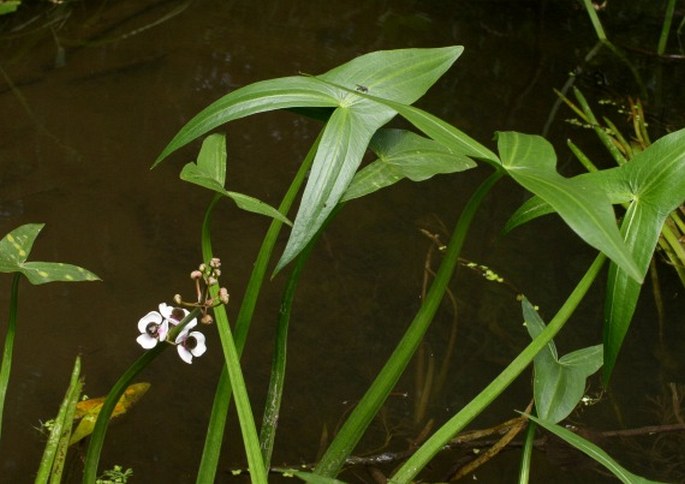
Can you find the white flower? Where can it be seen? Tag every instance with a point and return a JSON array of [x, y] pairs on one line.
[[190, 343], [153, 328], [175, 315]]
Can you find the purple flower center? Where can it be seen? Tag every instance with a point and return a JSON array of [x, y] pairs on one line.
[[177, 314], [190, 343], [152, 329]]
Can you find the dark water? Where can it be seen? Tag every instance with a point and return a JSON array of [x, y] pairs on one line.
[[95, 91]]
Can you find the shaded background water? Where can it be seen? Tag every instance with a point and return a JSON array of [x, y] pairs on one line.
[[94, 92]]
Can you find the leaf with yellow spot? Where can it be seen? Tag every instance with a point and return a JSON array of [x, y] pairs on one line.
[[15, 248], [88, 410]]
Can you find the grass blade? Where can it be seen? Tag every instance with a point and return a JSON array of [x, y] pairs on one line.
[[52, 462], [593, 451], [9, 343]]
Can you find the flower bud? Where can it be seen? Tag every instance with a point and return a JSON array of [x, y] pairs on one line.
[[177, 299], [196, 275], [207, 319], [223, 295]]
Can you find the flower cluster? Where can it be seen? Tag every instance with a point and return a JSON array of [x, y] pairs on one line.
[[155, 326], [206, 276]]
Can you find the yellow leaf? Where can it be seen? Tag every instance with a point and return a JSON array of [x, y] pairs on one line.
[[88, 410]]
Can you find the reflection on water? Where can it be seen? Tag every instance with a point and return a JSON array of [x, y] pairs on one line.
[[92, 95]]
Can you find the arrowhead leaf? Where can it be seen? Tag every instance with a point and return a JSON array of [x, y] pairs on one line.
[[652, 184], [559, 383], [210, 172], [260, 97], [15, 248], [403, 154], [656, 180], [530, 160], [400, 75]]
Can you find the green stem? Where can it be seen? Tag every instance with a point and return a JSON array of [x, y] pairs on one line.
[[582, 157], [527, 453], [97, 439], [242, 400], [666, 27], [596, 23], [360, 418], [437, 441], [232, 364], [9, 343], [277, 379], [601, 134], [222, 396]]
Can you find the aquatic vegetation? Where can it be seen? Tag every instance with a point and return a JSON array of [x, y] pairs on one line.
[[358, 99], [391, 81]]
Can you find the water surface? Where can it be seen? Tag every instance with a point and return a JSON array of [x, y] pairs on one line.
[[94, 93]]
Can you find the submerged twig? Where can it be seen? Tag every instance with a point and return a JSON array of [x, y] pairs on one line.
[[516, 425]]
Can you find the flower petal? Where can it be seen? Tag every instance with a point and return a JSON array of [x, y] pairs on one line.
[[165, 310], [163, 330], [200, 346], [184, 354], [147, 341], [172, 313], [151, 317]]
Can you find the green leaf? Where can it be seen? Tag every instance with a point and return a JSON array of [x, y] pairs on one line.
[[609, 181], [559, 383], [653, 185], [529, 210], [260, 97], [401, 75], [210, 172], [656, 180], [54, 455], [432, 126], [43, 272], [592, 450], [530, 160], [9, 6], [403, 154], [340, 151], [15, 248]]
